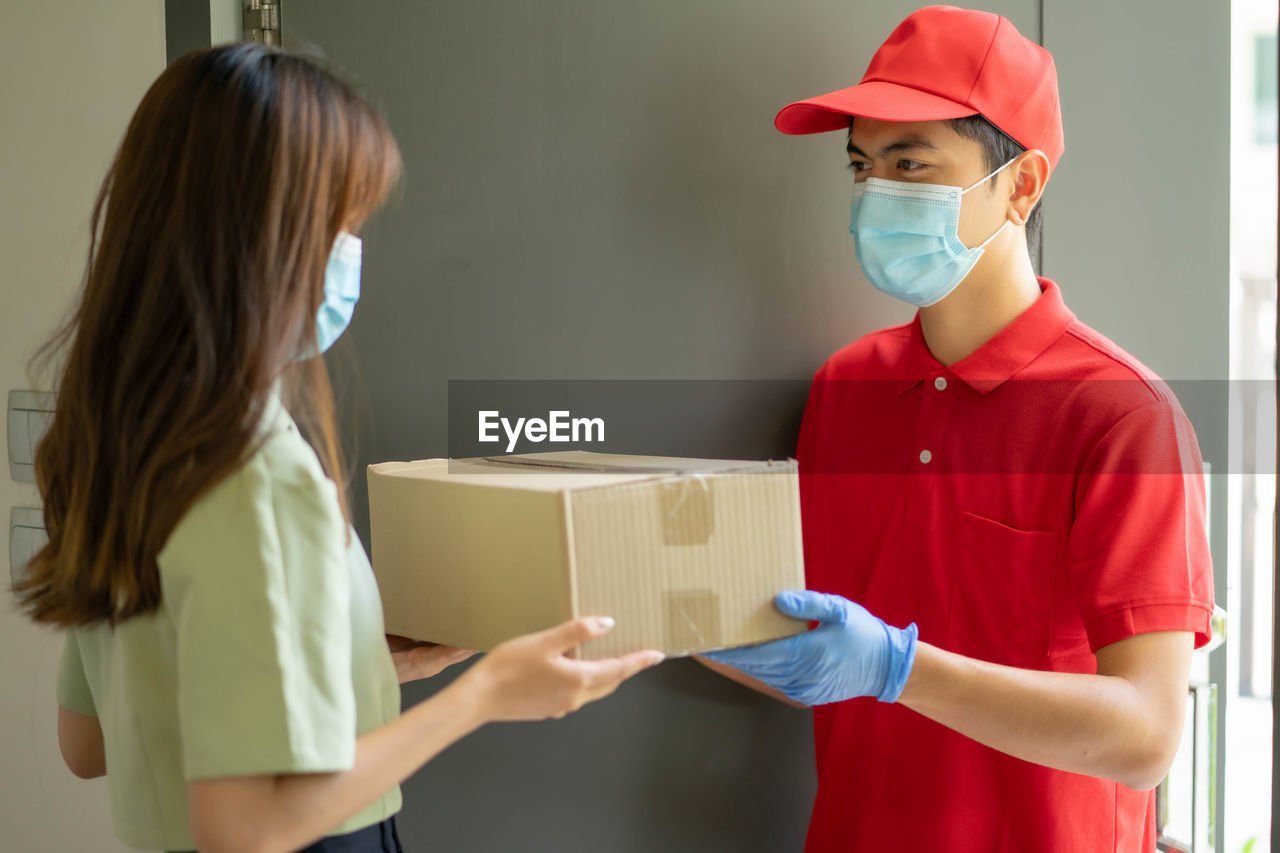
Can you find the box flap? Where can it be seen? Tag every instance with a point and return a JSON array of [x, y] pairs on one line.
[[585, 460], [481, 472], [567, 470]]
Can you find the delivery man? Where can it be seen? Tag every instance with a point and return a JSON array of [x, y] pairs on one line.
[[1004, 512]]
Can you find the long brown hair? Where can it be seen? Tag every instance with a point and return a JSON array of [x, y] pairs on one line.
[[208, 245]]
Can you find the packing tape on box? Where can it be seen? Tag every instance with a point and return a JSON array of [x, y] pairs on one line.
[[687, 510], [691, 619]]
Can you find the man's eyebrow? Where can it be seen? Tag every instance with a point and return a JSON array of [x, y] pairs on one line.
[[903, 144]]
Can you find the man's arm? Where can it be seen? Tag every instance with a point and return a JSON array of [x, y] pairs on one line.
[[1124, 723]]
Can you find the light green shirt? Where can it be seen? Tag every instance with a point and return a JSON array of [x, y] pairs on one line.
[[266, 655]]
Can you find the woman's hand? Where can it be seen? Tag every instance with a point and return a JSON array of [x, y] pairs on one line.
[[415, 659], [529, 677]]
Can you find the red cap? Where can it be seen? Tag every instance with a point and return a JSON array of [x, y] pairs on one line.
[[944, 62]]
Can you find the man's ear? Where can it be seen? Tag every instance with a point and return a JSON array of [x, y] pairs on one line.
[[1030, 174]]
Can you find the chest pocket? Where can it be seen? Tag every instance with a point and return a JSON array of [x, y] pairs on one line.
[[1002, 582]]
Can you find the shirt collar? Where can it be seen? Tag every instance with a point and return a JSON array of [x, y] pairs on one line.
[[1003, 354]]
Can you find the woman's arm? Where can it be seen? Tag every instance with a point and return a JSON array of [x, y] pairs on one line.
[[80, 739], [288, 812], [527, 678]]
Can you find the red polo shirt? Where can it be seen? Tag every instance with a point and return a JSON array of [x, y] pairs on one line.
[[1035, 501]]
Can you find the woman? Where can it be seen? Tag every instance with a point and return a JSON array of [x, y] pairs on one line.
[[225, 657]]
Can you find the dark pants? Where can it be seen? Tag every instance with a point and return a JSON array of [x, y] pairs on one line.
[[377, 838]]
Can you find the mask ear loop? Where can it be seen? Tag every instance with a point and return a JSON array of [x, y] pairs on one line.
[[984, 243], [984, 180]]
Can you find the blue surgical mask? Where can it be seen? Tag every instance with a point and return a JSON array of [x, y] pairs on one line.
[[906, 237], [341, 290]]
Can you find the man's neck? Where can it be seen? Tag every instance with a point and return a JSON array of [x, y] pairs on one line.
[[988, 299]]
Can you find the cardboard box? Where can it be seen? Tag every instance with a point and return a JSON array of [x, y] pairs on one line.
[[686, 554]]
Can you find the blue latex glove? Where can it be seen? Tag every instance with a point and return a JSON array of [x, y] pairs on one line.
[[852, 653]]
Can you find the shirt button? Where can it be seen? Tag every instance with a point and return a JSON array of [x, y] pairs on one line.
[[925, 456], [940, 383]]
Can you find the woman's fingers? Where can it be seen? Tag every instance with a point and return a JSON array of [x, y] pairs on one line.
[[427, 659], [397, 643], [449, 655], [597, 673], [613, 671], [598, 678], [566, 635], [530, 677]]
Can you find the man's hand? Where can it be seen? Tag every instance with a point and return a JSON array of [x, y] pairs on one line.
[[851, 653], [415, 659]]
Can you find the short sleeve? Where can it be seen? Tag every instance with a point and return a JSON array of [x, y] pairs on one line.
[[255, 580], [72, 686], [1138, 551]]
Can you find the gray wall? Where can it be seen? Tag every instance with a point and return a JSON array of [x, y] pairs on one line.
[[595, 190]]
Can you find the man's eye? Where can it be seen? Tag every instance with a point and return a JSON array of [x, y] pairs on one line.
[[910, 165], [857, 166]]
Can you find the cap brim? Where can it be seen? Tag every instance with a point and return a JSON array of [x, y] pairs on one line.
[[874, 99]]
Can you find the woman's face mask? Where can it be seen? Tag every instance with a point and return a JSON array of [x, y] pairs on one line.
[[341, 290]]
